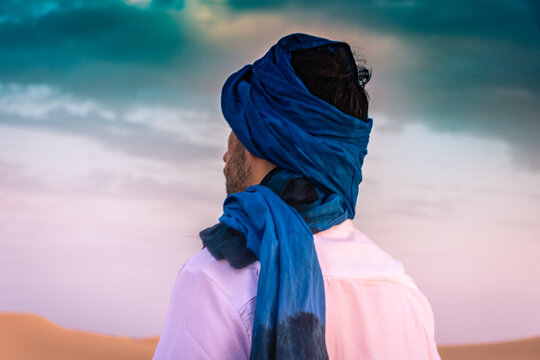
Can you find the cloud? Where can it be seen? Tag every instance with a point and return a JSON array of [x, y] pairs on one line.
[[465, 66], [423, 208], [13, 10], [174, 4], [39, 102], [477, 18], [172, 135], [118, 183], [111, 50], [16, 176]]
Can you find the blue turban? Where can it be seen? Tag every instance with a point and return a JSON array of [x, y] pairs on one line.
[[275, 116], [313, 143]]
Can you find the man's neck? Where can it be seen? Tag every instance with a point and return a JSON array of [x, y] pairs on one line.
[[269, 175]]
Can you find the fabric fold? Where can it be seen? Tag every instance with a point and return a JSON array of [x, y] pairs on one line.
[[289, 321]]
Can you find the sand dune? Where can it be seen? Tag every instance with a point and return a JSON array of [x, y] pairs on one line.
[[29, 337], [527, 349], [32, 337]]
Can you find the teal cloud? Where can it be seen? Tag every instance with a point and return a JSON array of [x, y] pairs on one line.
[[477, 71], [172, 4], [113, 51]]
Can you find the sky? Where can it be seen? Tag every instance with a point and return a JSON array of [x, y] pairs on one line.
[[111, 144]]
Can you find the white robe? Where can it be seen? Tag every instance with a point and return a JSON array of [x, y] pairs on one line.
[[373, 309]]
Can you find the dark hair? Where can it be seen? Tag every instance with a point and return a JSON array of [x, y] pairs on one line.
[[331, 73]]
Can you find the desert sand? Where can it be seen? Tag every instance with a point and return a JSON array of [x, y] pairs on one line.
[[526, 349], [32, 337], [29, 337]]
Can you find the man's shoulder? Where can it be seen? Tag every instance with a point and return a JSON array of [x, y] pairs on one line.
[[234, 283], [347, 252]]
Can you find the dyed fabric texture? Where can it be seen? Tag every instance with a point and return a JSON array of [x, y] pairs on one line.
[[290, 290], [278, 219], [276, 118]]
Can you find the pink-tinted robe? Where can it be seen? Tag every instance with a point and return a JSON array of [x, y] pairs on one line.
[[373, 309]]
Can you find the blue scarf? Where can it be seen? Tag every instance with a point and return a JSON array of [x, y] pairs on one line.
[[319, 151]]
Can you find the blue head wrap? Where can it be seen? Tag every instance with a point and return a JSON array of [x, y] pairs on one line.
[[275, 116], [313, 144]]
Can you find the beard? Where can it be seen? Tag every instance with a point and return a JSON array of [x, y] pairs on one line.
[[236, 172]]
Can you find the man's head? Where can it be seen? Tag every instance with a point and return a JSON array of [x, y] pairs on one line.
[[329, 73]]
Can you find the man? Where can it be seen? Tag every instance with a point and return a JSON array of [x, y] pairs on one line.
[[285, 274]]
